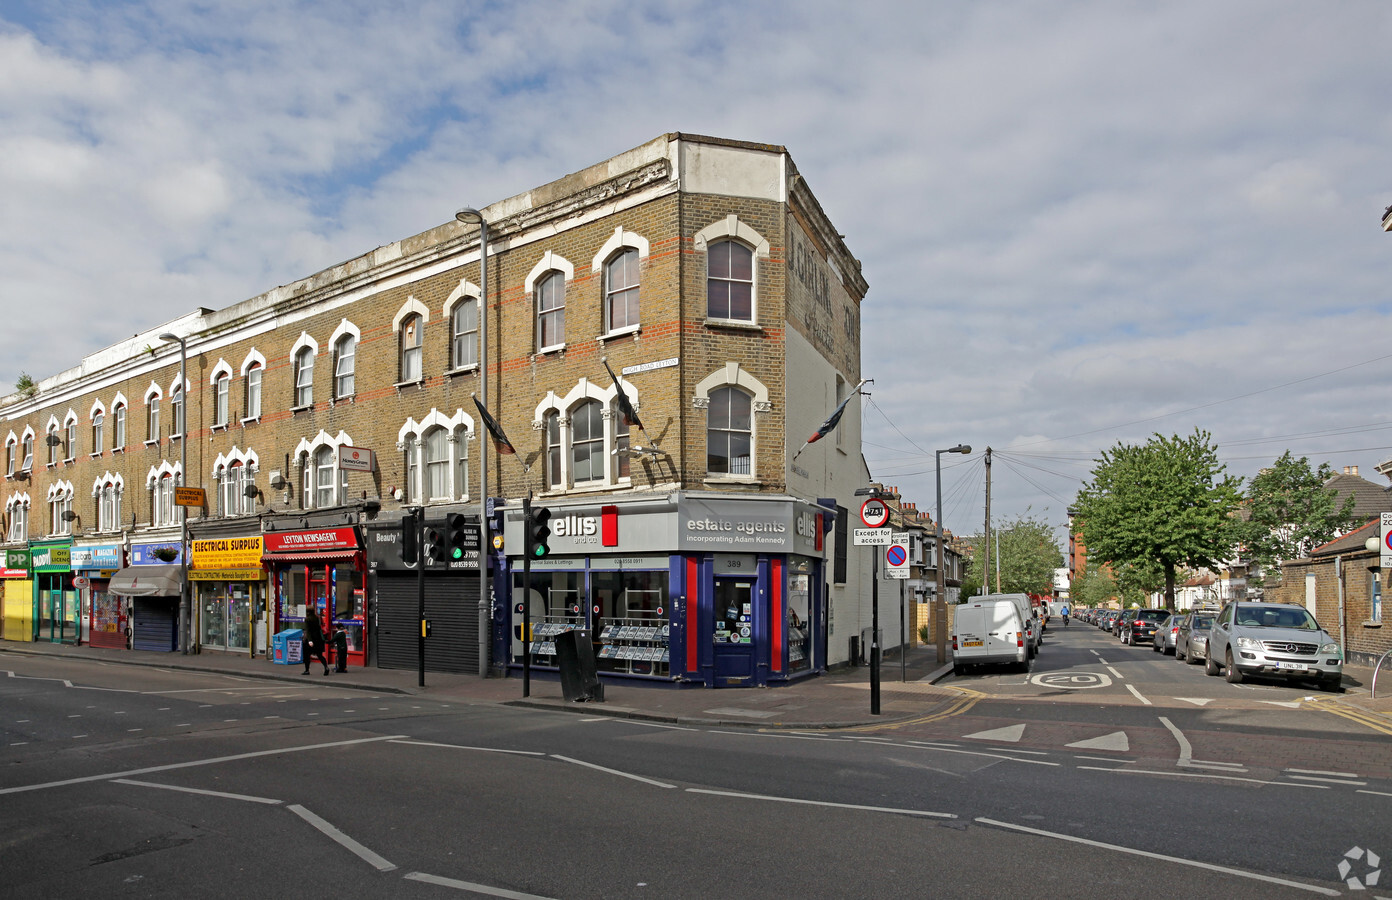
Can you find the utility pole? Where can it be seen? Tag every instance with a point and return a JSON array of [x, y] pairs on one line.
[[986, 533]]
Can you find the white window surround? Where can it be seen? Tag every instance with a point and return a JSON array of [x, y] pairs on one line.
[[412, 307], [165, 467], [104, 480], [734, 375], [344, 328], [247, 458], [253, 358], [620, 238], [98, 409], [458, 426], [732, 227], [306, 451], [155, 391], [223, 367], [70, 436], [177, 428], [467, 290], [586, 390], [549, 262], [302, 342]]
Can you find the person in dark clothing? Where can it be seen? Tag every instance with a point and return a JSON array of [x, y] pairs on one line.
[[313, 641]]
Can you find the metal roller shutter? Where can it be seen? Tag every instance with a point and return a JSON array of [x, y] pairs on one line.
[[451, 605], [156, 623]]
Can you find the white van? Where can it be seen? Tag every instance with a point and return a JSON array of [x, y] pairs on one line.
[[997, 628]]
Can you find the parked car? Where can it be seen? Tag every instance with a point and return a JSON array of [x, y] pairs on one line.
[[992, 629], [1139, 626], [1275, 639], [1166, 635], [1121, 620], [1107, 620], [1191, 644]]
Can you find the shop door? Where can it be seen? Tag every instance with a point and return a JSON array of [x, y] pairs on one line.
[[733, 632]]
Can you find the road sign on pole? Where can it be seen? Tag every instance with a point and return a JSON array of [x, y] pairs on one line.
[[871, 537], [874, 513], [897, 561], [1386, 537]]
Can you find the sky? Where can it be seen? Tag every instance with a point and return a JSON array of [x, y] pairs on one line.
[[1082, 223]]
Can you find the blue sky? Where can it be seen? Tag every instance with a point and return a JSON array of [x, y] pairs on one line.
[[1081, 222]]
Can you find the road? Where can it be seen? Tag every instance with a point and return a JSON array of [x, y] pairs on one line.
[[122, 781]]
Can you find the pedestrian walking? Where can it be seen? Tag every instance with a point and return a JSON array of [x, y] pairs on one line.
[[313, 641]]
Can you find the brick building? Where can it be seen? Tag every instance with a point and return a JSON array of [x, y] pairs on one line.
[[702, 271], [1342, 569]]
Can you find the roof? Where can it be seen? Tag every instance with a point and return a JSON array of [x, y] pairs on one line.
[[1369, 499], [1350, 542]]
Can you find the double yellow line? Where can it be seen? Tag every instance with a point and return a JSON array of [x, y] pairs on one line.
[[1372, 720], [966, 701]]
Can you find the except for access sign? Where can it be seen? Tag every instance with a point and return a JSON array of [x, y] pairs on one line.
[[871, 537]]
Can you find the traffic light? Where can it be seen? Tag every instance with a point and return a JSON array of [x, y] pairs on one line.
[[539, 532], [435, 549], [408, 539], [456, 536]]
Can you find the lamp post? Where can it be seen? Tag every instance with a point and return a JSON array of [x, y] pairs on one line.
[[940, 601], [471, 216], [184, 604]]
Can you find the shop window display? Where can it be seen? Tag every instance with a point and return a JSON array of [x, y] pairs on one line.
[[632, 629]]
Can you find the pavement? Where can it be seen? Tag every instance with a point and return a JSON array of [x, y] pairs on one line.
[[839, 699]]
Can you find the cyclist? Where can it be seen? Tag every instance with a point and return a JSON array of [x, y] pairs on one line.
[[1065, 616]]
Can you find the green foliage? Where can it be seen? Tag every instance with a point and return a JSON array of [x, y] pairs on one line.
[[26, 384], [1029, 553], [1163, 505], [1093, 588], [1290, 511]]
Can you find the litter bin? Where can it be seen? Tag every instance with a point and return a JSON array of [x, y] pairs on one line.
[[340, 648], [576, 660], [286, 646]]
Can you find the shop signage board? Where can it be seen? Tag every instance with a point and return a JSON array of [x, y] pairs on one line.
[[17, 564], [321, 539], [228, 553], [871, 537], [189, 496], [95, 556], [356, 459]]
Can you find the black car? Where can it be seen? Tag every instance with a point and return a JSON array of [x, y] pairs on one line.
[[1141, 627]]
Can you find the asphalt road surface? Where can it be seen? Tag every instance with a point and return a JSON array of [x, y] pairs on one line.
[[119, 781]]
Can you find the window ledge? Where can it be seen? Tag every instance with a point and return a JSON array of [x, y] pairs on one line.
[[299, 409], [734, 324], [554, 348], [250, 420], [70, 460], [118, 449], [94, 454], [732, 479], [1372, 624], [175, 437], [219, 427], [620, 333], [153, 443], [414, 382], [462, 370]]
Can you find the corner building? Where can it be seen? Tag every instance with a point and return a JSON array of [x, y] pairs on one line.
[[694, 548]]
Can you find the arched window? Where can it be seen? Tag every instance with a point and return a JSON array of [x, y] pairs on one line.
[[621, 290], [53, 442], [464, 330], [176, 409], [18, 508], [221, 388], [118, 431], [324, 493], [550, 311], [730, 281], [253, 392], [304, 377], [412, 368], [28, 465], [729, 432], [162, 501], [98, 431], [109, 506], [437, 464], [587, 442], [70, 442], [554, 479], [11, 449], [345, 352], [152, 418], [622, 460]]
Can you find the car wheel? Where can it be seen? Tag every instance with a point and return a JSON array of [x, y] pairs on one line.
[[1234, 673], [1210, 666], [1333, 684], [1189, 658], [958, 669]]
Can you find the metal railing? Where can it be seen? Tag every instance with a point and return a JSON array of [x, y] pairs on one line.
[[1375, 671]]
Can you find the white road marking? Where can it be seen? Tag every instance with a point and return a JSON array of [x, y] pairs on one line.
[[465, 747], [1115, 673], [212, 761], [1226, 776], [1109, 759], [189, 790], [587, 765], [943, 749], [884, 809], [1328, 780], [1186, 752], [1146, 853], [472, 887], [1321, 772], [343, 840], [1378, 793], [1008, 733], [1132, 689], [1288, 704], [1117, 740], [1197, 701]]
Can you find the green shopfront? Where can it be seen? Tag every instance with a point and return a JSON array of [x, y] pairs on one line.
[[57, 612]]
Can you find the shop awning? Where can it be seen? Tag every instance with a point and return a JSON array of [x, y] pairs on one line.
[[310, 555], [147, 581]]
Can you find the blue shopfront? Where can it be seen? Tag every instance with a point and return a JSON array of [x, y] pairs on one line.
[[692, 588]]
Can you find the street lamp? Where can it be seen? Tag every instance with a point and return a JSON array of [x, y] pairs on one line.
[[184, 604], [940, 601], [471, 216]]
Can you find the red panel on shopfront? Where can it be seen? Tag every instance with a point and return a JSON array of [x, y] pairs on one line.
[[692, 592], [319, 539], [776, 614], [609, 526]]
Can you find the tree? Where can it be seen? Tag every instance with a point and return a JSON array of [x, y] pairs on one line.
[[1029, 553], [1094, 587], [1289, 511], [1166, 503], [26, 384]]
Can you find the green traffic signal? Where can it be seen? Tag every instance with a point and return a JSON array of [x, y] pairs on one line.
[[541, 532]]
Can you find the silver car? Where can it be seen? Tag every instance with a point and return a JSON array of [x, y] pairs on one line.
[[1275, 639], [1166, 632], [1191, 643]]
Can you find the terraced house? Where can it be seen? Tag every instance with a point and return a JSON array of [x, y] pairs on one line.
[[660, 331]]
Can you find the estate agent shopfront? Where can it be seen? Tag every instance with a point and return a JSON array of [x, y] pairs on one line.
[[723, 590]]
